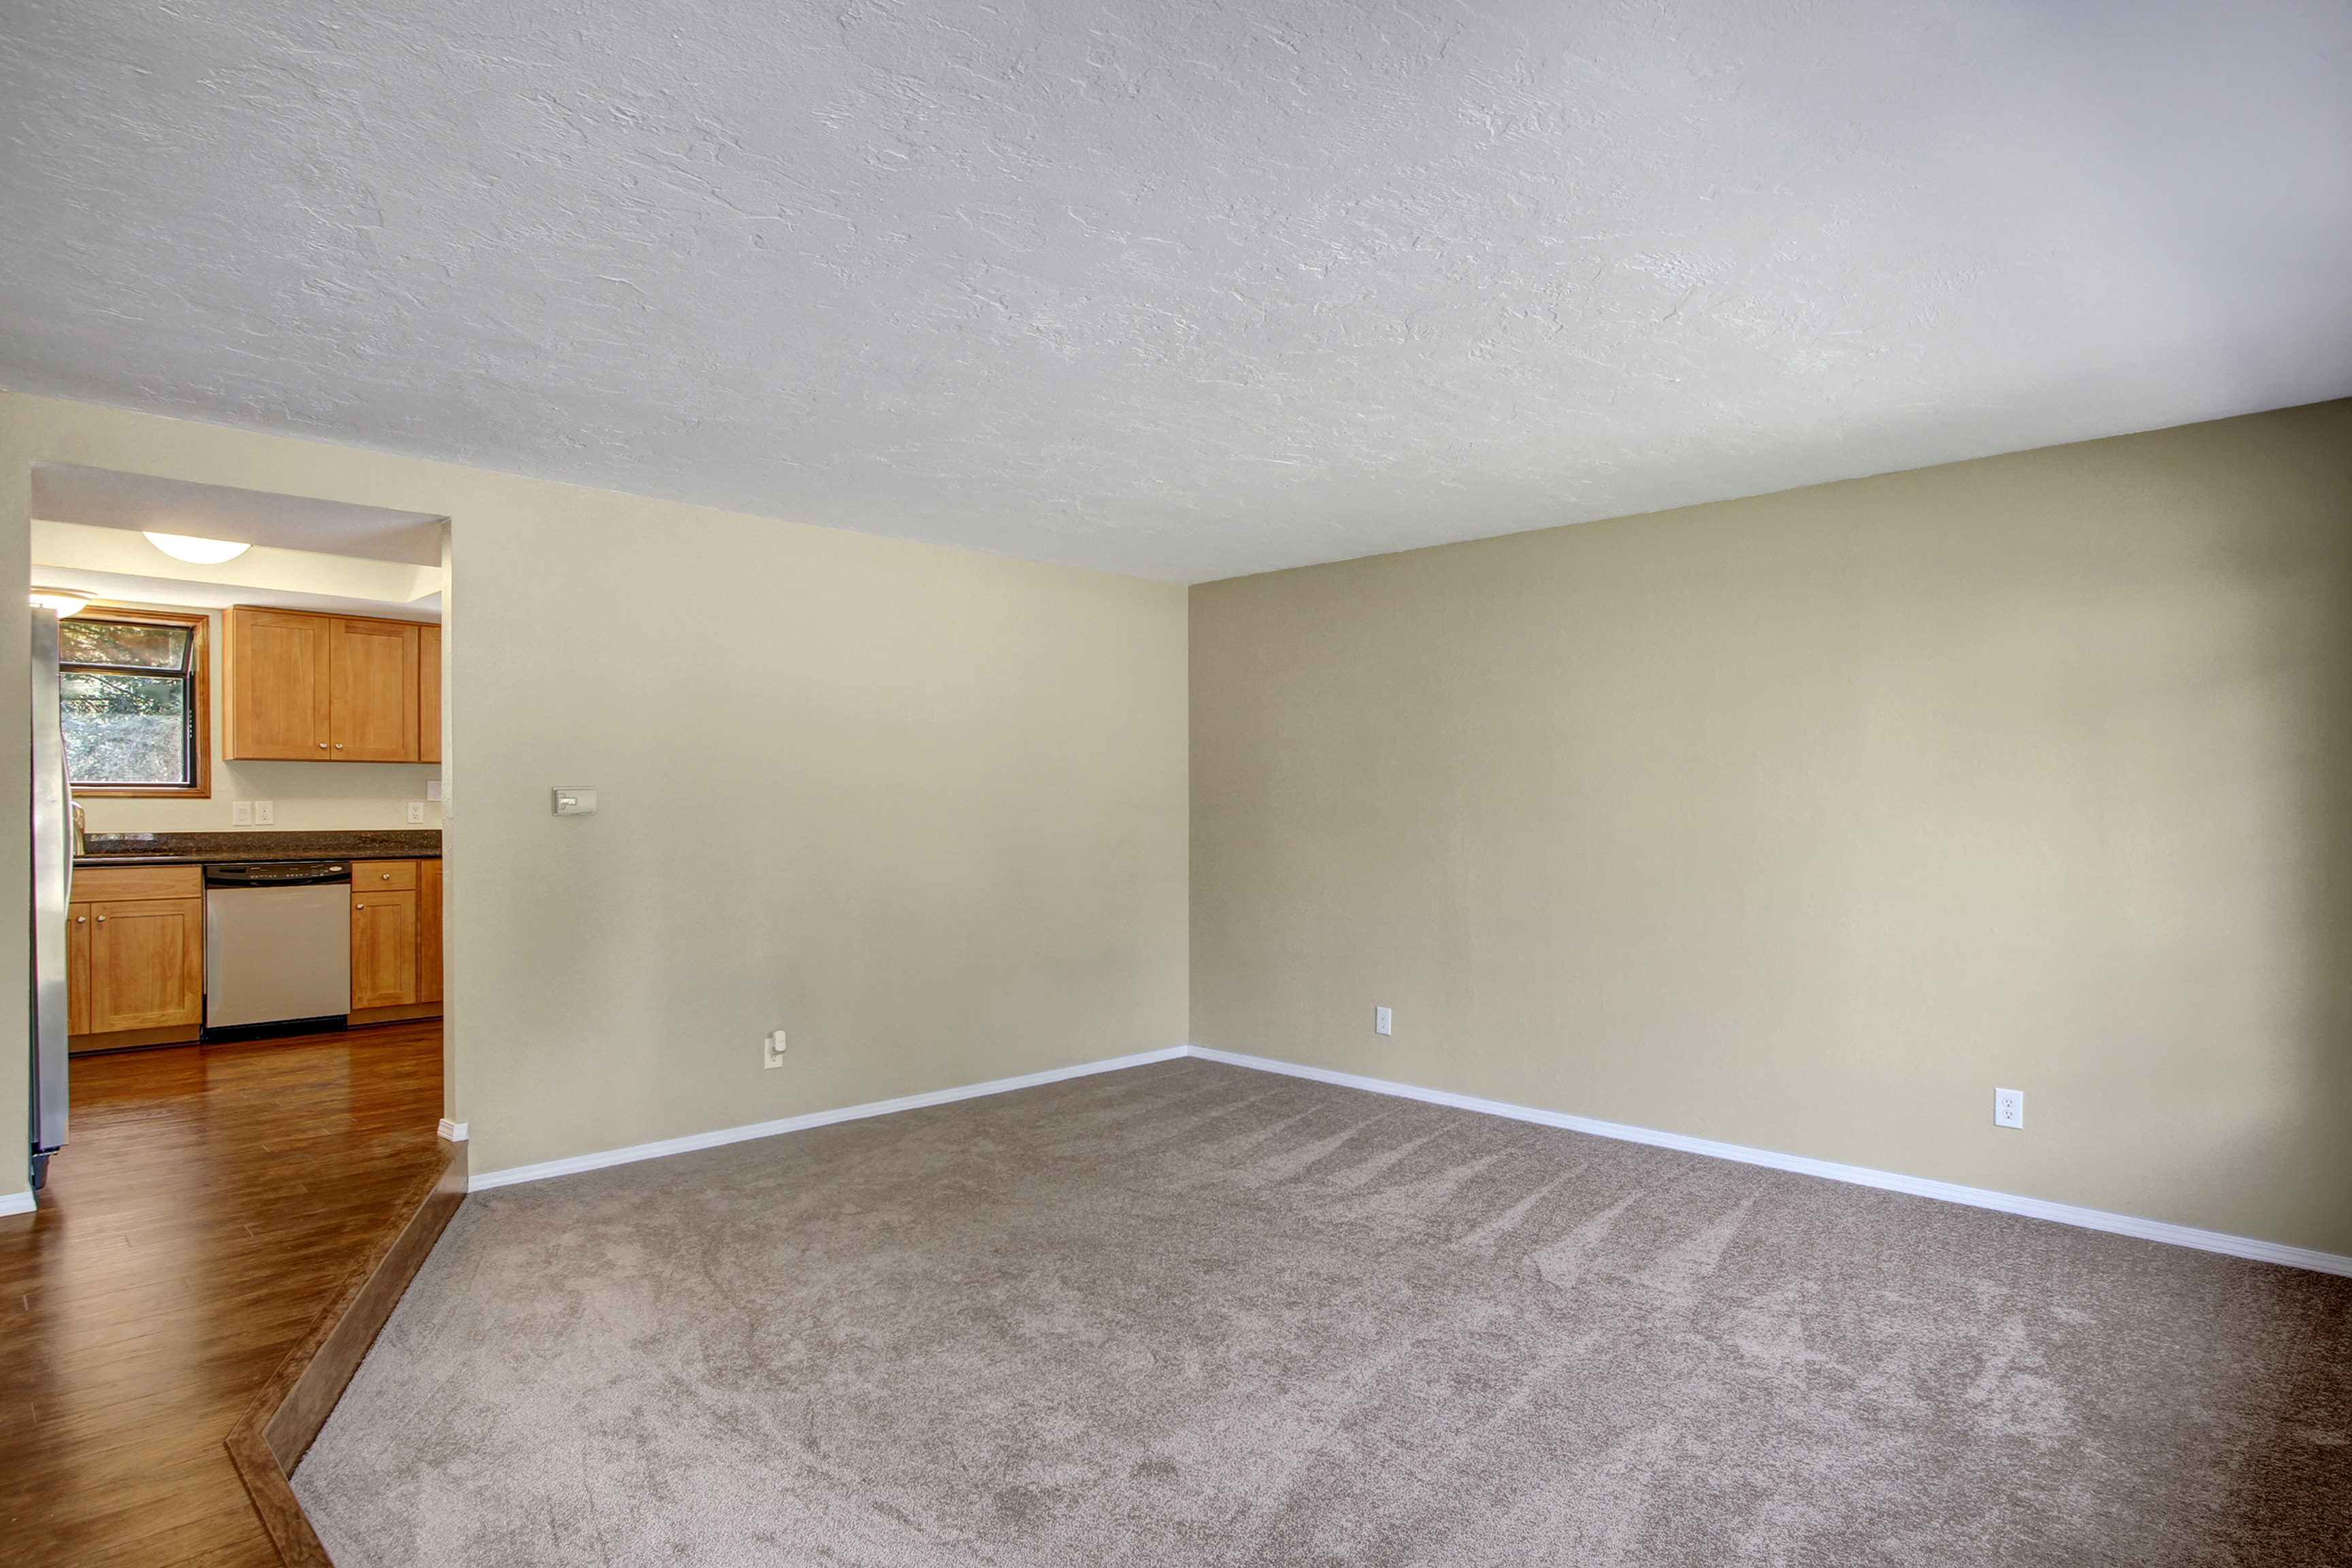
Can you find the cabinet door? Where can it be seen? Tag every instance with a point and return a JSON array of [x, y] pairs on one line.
[[428, 694], [371, 670], [146, 965], [428, 930], [383, 949], [277, 707], [78, 969]]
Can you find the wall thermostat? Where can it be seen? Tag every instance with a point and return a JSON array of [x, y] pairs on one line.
[[575, 800]]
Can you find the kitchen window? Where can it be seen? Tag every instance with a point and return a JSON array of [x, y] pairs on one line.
[[134, 702]]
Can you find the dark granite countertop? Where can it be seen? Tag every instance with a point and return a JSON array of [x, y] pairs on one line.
[[214, 849]]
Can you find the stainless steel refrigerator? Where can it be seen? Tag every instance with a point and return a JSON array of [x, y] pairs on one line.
[[52, 890]]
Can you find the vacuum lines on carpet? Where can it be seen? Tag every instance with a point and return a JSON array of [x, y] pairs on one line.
[[1189, 1313]]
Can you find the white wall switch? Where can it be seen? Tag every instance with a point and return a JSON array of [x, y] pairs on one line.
[[433, 789], [773, 1050], [416, 811], [1380, 1020], [240, 814], [265, 812], [2008, 1108], [575, 800]]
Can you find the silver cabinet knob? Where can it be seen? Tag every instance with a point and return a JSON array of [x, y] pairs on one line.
[[339, 746], [323, 745]]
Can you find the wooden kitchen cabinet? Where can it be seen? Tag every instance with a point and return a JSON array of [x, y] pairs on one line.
[[327, 689], [372, 678], [275, 707], [134, 957], [383, 950], [428, 930], [77, 930], [428, 694], [395, 939], [147, 965]]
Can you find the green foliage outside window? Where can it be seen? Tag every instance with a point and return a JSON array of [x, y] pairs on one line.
[[127, 700]]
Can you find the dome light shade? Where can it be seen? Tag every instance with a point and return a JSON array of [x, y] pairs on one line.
[[197, 551], [64, 600]]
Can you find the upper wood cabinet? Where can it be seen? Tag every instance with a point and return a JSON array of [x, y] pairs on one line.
[[428, 694], [372, 675], [327, 689], [276, 707]]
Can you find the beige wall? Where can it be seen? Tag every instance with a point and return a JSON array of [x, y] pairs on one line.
[[923, 808], [1802, 822]]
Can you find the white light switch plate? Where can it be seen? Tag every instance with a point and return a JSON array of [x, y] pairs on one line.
[[240, 814], [575, 800], [433, 789]]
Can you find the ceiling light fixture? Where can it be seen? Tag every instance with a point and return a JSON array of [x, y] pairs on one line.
[[197, 551], [64, 600]]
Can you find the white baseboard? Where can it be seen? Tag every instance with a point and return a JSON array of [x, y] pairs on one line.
[[19, 1202], [1859, 1175], [455, 1131], [514, 1174]]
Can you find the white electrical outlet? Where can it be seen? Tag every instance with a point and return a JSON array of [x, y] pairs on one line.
[[2008, 1108], [265, 812], [1380, 1021], [416, 811], [774, 1048], [240, 814]]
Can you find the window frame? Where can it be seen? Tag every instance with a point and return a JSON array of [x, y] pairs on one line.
[[200, 699]]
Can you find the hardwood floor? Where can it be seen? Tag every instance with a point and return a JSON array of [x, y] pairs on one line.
[[208, 1203]]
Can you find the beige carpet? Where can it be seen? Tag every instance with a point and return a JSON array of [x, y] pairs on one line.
[[1193, 1314]]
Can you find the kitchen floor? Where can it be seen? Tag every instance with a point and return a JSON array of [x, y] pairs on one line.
[[207, 1204]]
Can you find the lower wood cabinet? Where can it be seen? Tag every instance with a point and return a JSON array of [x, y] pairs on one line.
[[428, 930], [135, 950], [135, 956], [147, 965], [383, 950], [395, 937]]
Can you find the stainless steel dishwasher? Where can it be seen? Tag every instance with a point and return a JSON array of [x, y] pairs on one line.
[[277, 948]]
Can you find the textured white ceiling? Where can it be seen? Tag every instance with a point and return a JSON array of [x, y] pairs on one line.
[[1185, 290]]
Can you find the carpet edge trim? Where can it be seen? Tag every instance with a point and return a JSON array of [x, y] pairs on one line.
[[546, 1170], [2247, 1247]]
